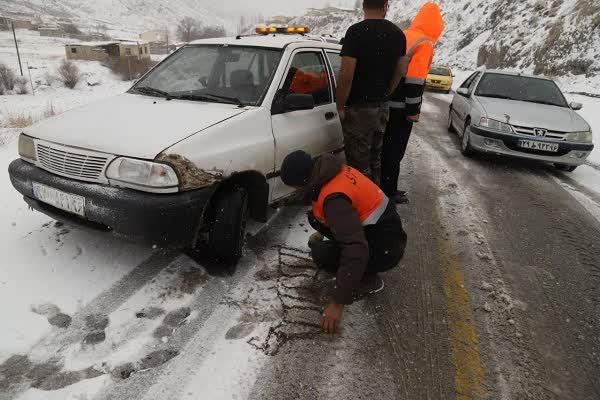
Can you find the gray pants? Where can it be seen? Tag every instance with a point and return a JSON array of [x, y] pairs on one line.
[[364, 128]]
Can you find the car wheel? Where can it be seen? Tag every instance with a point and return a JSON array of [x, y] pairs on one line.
[[465, 145], [450, 126], [566, 168], [226, 235]]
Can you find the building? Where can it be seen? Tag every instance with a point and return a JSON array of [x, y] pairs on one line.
[[51, 31], [154, 36], [102, 51], [19, 22], [323, 12], [22, 24], [4, 23]]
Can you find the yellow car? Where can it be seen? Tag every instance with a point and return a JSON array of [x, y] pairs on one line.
[[439, 78]]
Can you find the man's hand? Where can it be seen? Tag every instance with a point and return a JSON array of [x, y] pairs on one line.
[[314, 239], [332, 317], [342, 113], [413, 118]]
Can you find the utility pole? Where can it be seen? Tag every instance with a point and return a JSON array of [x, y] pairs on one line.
[[167, 38], [16, 46]]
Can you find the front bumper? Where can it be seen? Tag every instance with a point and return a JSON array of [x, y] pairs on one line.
[[438, 86], [160, 219], [489, 141]]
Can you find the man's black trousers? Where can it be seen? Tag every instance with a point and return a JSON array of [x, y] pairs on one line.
[[395, 141]]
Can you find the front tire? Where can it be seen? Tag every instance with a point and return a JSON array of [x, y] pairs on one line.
[[226, 235], [465, 143], [565, 168]]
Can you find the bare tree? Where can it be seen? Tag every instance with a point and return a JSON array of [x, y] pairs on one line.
[[212, 32], [7, 77], [188, 29], [69, 74]]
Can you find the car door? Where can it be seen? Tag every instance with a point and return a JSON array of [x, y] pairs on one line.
[[316, 131], [461, 104]]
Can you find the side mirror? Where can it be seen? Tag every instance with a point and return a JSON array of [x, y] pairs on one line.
[[463, 92], [297, 101], [576, 106]]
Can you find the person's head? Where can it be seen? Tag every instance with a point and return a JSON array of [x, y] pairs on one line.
[[297, 169], [429, 21], [375, 8]]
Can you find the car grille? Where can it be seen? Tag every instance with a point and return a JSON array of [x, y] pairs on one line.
[[523, 130], [71, 163], [433, 81]]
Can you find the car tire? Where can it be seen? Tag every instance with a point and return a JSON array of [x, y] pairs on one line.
[[449, 125], [228, 228], [565, 167], [465, 140]]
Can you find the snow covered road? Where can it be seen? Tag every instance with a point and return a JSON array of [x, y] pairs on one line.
[[498, 297]]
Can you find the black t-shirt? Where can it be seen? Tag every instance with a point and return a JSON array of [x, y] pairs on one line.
[[377, 44]]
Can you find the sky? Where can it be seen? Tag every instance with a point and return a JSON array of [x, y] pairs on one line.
[[273, 7]]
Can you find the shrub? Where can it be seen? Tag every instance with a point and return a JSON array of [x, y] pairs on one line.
[[1, 89], [7, 77], [69, 74], [21, 120], [21, 85], [50, 111]]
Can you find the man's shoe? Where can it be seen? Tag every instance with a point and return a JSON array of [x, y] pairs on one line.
[[400, 198], [370, 284]]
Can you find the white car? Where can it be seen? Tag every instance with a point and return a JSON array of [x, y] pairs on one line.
[[193, 148], [521, 116]]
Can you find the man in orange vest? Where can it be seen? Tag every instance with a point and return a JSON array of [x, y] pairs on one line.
[[364, 230], [405, 102]]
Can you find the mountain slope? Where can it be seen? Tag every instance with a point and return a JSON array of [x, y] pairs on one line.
[[120, 16], [553, 37]]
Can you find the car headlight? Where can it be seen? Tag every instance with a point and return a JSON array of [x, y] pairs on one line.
[[27, 147], [581, 137], [141, 174], [495, 125]]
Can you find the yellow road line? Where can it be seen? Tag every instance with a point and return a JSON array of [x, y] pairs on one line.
[[464, 343]]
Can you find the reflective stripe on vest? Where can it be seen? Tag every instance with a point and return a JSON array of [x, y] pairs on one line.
[[367, 199], [397, 104], [405, 61], [414, 100]]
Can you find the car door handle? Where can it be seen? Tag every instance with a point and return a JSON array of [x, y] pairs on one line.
[[330, 115]]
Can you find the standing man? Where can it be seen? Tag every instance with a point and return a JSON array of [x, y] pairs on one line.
[[364, 230], [370, 72], [405, 103]]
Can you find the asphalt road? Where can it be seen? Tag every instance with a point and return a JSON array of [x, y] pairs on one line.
[[498, 297]]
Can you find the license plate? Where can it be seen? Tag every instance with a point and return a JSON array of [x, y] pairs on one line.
[[59, 199], [542, 146]]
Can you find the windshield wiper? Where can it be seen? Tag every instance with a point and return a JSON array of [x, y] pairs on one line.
[[544, 102], [208, 97], [153, 91], [496, 96]]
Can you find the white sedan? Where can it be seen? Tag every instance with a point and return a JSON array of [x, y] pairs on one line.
[[521, 116]]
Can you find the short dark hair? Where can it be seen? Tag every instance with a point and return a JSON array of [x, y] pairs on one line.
[[374, 3]]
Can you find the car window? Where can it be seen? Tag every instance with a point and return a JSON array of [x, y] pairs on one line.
[[237, 72], [474, 81], [440, 71], [336, 64], [308, 75], [521, 88], [469, 80]]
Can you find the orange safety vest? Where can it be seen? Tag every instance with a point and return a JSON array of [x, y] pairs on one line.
[[368, 200]]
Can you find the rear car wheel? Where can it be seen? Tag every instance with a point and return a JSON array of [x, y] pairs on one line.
[[566, 168], [226, 235], [465, 145]]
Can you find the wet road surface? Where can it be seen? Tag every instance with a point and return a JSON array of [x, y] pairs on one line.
[[498, 297]]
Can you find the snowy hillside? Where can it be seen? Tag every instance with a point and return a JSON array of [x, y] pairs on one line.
[[122, 17], [554, 37]]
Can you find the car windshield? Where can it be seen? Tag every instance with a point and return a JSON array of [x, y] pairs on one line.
[[213, 73], [439, 71], [521, 88]]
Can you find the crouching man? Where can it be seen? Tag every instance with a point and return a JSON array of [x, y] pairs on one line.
[[364, 231]]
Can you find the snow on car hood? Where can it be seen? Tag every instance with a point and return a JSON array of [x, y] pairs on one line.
[[132, 125], [534, 115]]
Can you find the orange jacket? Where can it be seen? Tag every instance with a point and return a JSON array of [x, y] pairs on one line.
[[421, 37], [366, 197], [306, 82]]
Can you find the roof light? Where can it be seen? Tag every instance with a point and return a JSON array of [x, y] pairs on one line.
[[265, 30]]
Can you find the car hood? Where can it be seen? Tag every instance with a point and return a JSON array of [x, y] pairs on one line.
[[439, 77], [533, 115], [132, 125]]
